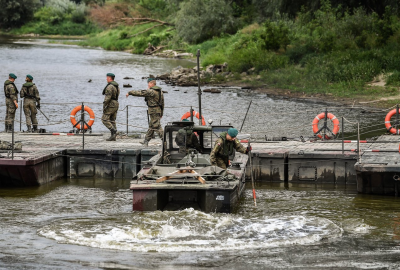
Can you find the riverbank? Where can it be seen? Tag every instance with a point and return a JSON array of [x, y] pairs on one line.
[[373, 94]]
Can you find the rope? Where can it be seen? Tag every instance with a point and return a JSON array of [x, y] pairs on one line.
[[345, 119]]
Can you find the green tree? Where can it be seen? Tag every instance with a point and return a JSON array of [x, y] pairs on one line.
[[199, 20], [14, 13]]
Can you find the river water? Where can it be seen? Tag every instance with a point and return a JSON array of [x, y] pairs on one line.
[[88, 224]]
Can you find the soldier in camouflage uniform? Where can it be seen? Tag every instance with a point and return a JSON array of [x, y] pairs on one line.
[[30, 94], [225, 146], [186, 139], [11, 93], [154, 98], [110, 106]]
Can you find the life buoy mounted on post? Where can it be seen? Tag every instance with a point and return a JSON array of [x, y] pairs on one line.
[[74, 112], [336, 125], [388, 125], [196, 114]]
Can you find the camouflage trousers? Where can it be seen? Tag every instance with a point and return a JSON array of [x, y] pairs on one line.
[[30, 111], [221, 162], [109, 117], [10, 113], [154, 125]]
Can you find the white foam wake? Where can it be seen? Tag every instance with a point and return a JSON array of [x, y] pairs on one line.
[[190, 230]]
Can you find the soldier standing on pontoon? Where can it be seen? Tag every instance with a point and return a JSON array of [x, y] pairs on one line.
[[30, 94], [11, 93], [154, 98]]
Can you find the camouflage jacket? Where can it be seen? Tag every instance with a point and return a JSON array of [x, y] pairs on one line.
[[111, 93], [154, 98], [187, 140], [10, 90], [29, 90], [224, 148]]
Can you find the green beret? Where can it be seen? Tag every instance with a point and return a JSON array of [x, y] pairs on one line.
[[29, 77], [110, 75], [151, 79], [12, 75], [233, 132]]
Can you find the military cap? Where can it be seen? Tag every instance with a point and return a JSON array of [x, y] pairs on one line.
[[233, 132], [185, 120], [151, 79], [12, 75], [29, 77], [110, 75]]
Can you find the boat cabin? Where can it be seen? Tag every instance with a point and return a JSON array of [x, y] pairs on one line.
[[177, 144]]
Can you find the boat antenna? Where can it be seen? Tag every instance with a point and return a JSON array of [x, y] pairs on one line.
[[245, 116], [198, 81]]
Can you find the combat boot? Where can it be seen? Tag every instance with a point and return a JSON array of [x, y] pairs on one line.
[[113, 136], [6, 130], [29, 128], [34, 129], [10, 129]]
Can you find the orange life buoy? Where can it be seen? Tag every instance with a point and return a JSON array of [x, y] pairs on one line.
[[77, 109], [197, 115], [387, 122], [333, 118]]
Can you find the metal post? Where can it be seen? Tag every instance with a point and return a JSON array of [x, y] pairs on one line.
[[12, 141], [251, 173], [397, 117], [358, 142], [20, 115], [127, 119], [191, 114], [83, 125], [325, 124], [342, 135], [198, 80]]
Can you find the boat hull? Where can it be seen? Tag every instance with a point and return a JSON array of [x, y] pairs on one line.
[[221, 200]]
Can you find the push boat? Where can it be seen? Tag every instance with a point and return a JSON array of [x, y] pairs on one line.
[[172, 180]]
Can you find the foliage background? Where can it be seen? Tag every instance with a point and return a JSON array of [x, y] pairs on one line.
[[321, 46]]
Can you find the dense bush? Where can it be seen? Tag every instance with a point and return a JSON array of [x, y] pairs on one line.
[[59, 17], [14, 13], [199, 20], [254, 56], [394, 78]]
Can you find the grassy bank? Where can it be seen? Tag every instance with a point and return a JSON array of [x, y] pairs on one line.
[[64, 28], [129, 38]]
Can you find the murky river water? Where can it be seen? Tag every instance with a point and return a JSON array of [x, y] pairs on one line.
[[86, 224]]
